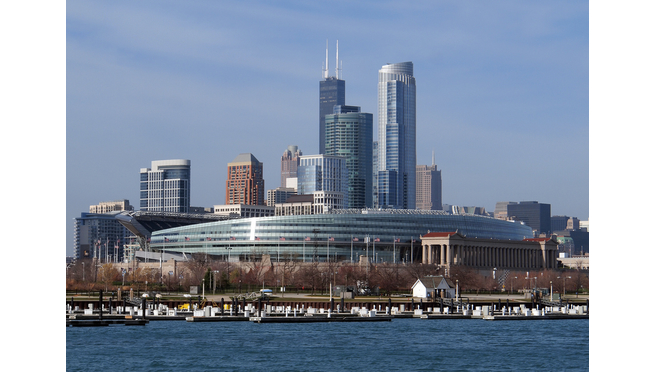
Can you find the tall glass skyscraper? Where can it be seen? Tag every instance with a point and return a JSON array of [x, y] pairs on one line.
[[396, 161], [325, 177], [348, 133], [332, 93], [166, 187]]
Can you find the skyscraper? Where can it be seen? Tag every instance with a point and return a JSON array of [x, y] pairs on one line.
[[397, 136], [245, 183], [325, 177], [428, 188], [332, 92], [290, 161], [348, 133], [100, 235], [166, 187], [536, 215]]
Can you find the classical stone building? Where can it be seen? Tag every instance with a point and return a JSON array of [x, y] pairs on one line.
[[447, 249]]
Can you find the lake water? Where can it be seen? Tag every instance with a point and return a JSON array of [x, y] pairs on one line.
[[401, 344]]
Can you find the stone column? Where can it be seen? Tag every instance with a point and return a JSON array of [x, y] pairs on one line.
[[449, 254]]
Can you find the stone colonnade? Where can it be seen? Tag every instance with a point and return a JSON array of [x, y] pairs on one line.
[[448, 249]]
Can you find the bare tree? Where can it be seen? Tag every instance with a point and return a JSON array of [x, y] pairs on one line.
[[419, 270], [195, 268], [107, 274]]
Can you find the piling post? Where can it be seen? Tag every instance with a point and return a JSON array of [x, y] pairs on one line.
[[413, 305], [587, 306], [441, 302], [100, 307], [143, 306], [222, 306], [109, 305], [343, 303], [259, 307]]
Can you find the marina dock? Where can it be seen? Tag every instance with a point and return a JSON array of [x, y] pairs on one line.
[[144, 311]]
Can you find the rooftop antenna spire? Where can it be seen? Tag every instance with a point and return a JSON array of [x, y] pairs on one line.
[[326, 71], [433, 158], [337, 76]]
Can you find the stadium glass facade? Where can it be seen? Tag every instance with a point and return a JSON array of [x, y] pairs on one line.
[[346, 235]]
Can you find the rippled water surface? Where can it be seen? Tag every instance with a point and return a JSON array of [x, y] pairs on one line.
[[402, 344]]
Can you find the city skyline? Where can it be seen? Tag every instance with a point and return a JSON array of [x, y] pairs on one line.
[[502, 96]]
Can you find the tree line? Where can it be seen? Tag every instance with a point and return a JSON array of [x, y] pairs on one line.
[[219, 276]]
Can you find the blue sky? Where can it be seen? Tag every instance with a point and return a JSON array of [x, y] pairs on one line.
[[502, 91]]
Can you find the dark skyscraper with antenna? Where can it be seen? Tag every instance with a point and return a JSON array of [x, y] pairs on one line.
[[332, 93]]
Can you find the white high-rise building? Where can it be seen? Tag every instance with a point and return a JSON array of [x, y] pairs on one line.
[[396, 162], [166, 187]]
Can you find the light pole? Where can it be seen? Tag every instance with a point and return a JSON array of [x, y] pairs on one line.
[[457, 290], [564, 277], [550, 291]]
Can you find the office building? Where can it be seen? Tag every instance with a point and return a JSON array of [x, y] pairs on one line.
[[111, 206], [245, 183], [560, 223], [348, 134], [501, 210], [396, 176], [534, 214], [290, 161], [166, 186], [100, 236], [244, 210], [325, 177], [332, 93], [279, 195], [429, 193], [296, 205]]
